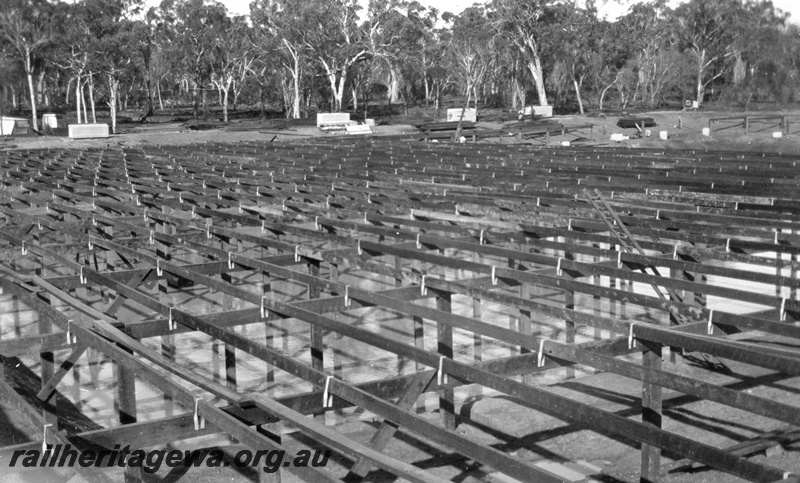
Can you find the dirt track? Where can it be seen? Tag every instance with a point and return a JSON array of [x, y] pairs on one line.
[[689, 135]]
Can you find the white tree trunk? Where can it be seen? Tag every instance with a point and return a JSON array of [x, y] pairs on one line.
[[68, 90], [535, 68], [603, 94], [34, 124], [296, 75], [340, 92], [78, 97], [578, 93], [113, 88], [701, 88], [236, 90], [224, 104], [225, 89], [394, 86], [91, 97], [83, 103]]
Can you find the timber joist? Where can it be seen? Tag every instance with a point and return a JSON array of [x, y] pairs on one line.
[[493, 248]]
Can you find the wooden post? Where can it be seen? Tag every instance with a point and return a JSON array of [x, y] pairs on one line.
[[269, 330], [163, 290], [48, 368], [338, 360], [134, 474], [273, 432], [419, 343], [445, 348], [569, 304], [477, 344], [525, 326], [651, 411], [126, 394], [316, 333], [227, 305]]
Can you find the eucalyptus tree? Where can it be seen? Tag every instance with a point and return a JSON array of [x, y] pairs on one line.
[[472, 49], [311, 31], [192, 28], [576, 33], [405, 38], [233, 52], [148, 55], [9, 75], [708, 31], [112, 49], [72, 51], [280, 28], [27, 25], [653, 36], [335, 39], [522, 23], [766, 56]]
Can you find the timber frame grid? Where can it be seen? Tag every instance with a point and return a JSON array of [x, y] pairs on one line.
[[88, 232]]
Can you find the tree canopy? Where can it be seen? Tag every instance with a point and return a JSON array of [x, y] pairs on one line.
[[301, 56]]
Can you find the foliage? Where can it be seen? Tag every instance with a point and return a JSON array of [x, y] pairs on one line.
[[298, 56]]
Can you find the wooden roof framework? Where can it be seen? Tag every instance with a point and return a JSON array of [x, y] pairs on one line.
[[88, 232]]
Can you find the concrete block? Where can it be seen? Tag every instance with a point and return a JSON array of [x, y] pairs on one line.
[[706, 131], [84, 131], [470, 115], [14, 125], [332, 118], [49, 121], [541, 111], [664, 135], [358, 129], [777, 135]]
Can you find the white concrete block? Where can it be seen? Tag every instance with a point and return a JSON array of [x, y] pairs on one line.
[[358, 129], [470, 115], [777, 135], [332, 118], [543, 111], [664, 135], [7, 124], [706, 131], [49, 121], [83, 131]]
